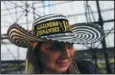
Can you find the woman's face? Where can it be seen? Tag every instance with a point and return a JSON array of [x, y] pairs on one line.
[[56, 57]]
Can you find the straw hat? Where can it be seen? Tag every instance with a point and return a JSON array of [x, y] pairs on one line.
[[55, 27]]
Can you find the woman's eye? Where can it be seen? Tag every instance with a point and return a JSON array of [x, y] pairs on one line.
[[70, 46], [53, 48]]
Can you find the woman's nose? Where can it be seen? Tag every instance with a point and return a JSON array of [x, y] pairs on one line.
[[65, 53]]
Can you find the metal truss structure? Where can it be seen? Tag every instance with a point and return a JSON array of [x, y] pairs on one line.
[[24, 12]]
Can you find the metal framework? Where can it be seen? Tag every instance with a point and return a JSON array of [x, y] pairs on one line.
[[36, 13]]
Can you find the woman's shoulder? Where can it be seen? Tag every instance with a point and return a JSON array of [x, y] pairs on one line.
[[86, 67]]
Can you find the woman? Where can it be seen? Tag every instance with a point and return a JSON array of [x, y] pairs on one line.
[[53, 57], [50, 46]]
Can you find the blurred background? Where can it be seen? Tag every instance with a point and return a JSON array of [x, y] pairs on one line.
[[78, 12]]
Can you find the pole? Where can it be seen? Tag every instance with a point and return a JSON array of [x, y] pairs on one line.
[[108, 68]]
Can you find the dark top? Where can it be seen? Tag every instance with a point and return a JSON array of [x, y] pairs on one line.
[[86, 67]]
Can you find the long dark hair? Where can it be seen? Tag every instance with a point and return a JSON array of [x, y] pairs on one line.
[[33, 64]]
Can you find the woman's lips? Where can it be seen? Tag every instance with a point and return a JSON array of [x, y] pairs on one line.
[[63, 63]]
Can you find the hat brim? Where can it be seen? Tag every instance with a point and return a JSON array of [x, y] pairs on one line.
[[82, 34]]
